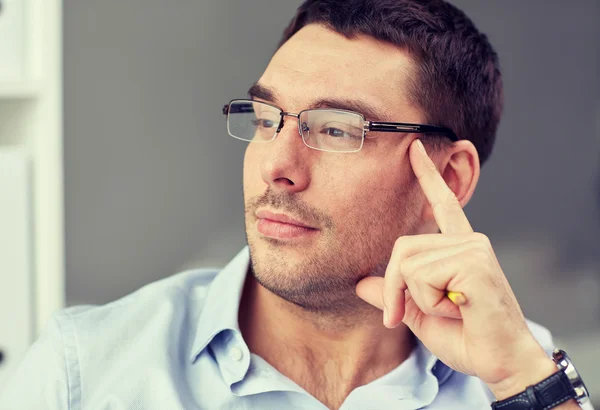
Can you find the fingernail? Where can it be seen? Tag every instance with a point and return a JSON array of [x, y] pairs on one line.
[[421, 146], [386, 317]]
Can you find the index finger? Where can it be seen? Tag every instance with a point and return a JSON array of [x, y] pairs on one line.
[[447, 211]]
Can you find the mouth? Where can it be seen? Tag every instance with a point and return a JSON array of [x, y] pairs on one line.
[[282, 226]]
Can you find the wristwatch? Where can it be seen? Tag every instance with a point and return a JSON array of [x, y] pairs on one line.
[[566, 384]]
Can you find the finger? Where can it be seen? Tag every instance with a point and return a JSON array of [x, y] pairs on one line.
[[415, 295], [427, 283], [430, 255], [433, 301], [410, 245], [393, 295], [370, 289], [429, 328], [412, 313], [430, 300], [446, 209], [407, 257]]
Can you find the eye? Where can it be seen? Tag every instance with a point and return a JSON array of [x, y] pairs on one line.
[[336, 132], [263, 123]]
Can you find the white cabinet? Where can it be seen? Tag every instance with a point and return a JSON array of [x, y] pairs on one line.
[[31, 173], [20, 30], [14, 35], [16, 298]]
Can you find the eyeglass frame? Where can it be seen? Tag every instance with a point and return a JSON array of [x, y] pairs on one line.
[[368, 126]]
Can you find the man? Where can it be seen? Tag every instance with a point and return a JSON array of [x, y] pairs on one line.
[[364, 285]]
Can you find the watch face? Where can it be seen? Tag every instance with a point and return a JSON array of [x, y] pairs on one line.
[[564, 363], [582, 397]]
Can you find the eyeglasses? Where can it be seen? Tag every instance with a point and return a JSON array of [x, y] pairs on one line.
[[323, 129]]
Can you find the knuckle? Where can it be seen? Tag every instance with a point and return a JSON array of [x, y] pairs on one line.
[[482, 238], [428, 308], [419, 282], [477, 265], [404, 240], [478, 255], [399, 243], [402, 246], [405, 267]]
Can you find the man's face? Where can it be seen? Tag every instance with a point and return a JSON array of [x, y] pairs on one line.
[[356, 204]]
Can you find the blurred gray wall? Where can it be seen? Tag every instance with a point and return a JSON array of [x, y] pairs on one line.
[[153, 182]]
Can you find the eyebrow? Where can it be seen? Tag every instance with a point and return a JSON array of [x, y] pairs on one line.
[[262, 92], [370, 113]]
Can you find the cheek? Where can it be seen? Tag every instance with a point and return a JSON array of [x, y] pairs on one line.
[[374, 199], [252, 179], [362, 193]]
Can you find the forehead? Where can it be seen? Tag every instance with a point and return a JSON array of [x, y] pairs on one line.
[[318, 63]]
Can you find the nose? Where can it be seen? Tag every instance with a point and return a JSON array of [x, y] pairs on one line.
[[285, 164]]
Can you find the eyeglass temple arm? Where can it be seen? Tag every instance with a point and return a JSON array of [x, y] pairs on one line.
[[240, 109], [416, 128]]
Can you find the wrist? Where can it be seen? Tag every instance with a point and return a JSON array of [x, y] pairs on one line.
[[534, 371]]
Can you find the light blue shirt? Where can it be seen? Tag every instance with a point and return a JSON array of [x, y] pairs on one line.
[[176, 344]]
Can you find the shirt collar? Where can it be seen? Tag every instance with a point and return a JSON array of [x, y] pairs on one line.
[[221, 307]]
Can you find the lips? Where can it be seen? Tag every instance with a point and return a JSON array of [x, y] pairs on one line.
[[282, 226], [281, 218]]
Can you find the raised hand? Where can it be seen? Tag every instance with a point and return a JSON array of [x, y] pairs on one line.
[[485, 336]]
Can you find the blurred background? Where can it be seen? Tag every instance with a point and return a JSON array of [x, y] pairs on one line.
[[140, 179]]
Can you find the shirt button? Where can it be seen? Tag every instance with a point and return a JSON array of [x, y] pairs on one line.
[[236, 354]]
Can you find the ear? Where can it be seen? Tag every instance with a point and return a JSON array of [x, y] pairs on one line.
[[460, 168]]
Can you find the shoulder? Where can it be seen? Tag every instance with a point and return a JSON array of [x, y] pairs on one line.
[[145, 329], [163, 311], [99, 343], [83, 347], [190, 283], [147, 307]]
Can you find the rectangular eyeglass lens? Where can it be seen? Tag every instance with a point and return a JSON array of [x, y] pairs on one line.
[[252, 121], [331, 130]]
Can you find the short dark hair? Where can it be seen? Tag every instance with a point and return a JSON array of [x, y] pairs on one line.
[[458, 82]]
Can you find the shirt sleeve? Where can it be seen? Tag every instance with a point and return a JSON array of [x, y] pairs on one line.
[[41, 381]]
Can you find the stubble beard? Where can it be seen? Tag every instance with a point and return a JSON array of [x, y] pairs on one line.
[[323, 279]]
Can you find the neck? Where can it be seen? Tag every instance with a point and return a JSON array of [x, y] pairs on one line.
[[327, 354]]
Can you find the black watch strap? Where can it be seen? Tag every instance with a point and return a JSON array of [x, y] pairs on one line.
[[547, 394]]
